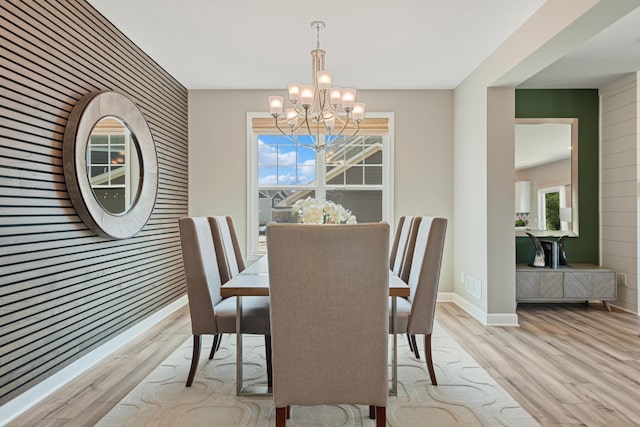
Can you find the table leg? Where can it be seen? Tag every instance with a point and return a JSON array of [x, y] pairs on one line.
[[394, 353], [239, 379]]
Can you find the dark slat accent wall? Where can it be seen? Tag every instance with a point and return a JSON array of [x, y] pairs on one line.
[[63, 290]]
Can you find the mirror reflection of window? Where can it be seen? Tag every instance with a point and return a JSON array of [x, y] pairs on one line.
[[113, 165], [551, 201], [552, 210]]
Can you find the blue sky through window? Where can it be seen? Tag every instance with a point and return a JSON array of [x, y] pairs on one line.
[[282, 162]]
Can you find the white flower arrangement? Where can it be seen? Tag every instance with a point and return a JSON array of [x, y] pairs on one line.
[[312, 211]]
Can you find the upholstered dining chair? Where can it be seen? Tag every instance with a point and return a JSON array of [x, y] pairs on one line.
[[228, 252], [329, 287], [399, 247], [210, 314], [228, 255], [415, 315]]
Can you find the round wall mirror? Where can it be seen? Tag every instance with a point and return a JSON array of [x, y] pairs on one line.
[[113, 165], [110, 164]]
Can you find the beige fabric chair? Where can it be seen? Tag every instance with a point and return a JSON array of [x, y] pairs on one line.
[[416, 313], [329, 287], [400, 264], [228, 252], [228, 255], [399, 247], [210, 314]]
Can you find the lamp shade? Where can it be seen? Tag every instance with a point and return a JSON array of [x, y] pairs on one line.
[[348, 98], [324, 79], [358, 111], [306, 94], [275, 104], [294, 92], [336, 96]]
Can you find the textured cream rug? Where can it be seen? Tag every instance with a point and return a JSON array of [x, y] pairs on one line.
[[466, 394]]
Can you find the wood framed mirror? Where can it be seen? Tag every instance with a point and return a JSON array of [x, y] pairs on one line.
[[546, 165], [110, 164]]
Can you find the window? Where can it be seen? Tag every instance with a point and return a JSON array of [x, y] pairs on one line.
[[550, 201], [356, 175]]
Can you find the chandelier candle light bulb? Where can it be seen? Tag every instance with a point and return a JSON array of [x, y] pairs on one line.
[[319, 108]]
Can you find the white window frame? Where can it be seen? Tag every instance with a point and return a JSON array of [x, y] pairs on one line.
[[252, 179]]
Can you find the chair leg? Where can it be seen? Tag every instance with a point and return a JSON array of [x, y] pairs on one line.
[[219, 341], [267, 346], [415, 346], [281, 416], [216, 344], [372, 412], [194, 359], [288, 411], [427, 351], [410, 342], [381, 416]]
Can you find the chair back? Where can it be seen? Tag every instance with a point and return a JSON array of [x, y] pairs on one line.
[[329, 293], [229, 255], [203, 277], [399, 243], [397, 259], [426, 247]]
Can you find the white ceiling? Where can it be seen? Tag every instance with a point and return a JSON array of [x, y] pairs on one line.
[[370, 44], [606, 57]]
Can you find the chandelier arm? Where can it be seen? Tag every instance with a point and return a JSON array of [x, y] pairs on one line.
[[275, 118], [298, 126], [346, 122], [306, 120], [357, 128], [322, 100], [291, 136]]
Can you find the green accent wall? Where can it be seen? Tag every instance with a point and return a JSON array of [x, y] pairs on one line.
[[569, 103]]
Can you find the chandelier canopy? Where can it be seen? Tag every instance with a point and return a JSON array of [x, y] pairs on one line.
[[318, 108]]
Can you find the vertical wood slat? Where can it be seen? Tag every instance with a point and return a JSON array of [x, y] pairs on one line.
[[63, 290]]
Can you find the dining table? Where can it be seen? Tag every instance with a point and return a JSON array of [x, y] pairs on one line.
[[254, 281]]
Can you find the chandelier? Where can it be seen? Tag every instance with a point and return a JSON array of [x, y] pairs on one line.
[[318, 108]]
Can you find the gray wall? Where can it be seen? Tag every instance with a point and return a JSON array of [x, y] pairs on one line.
[[63, 290]]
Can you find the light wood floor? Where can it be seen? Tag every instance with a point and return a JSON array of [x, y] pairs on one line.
[[567, 364]]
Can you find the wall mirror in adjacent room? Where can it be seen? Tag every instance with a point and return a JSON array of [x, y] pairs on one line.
[[110, 164], [546, 176]]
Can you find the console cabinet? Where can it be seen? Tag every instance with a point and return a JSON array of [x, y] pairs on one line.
[[578, 282]]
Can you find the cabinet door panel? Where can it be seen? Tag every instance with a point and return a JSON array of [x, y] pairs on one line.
[[578, 285], [551, 285], [527, 285], [604, 285], [538, 285], [590, 285]]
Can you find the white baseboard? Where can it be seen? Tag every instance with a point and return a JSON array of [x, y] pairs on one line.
[[446, 297], [35, 394], [502, 319], [499, 319]]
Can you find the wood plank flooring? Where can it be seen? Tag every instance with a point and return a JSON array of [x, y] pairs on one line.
[[567, 364]]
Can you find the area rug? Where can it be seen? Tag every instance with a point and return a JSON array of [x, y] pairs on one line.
[[465, 396]]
